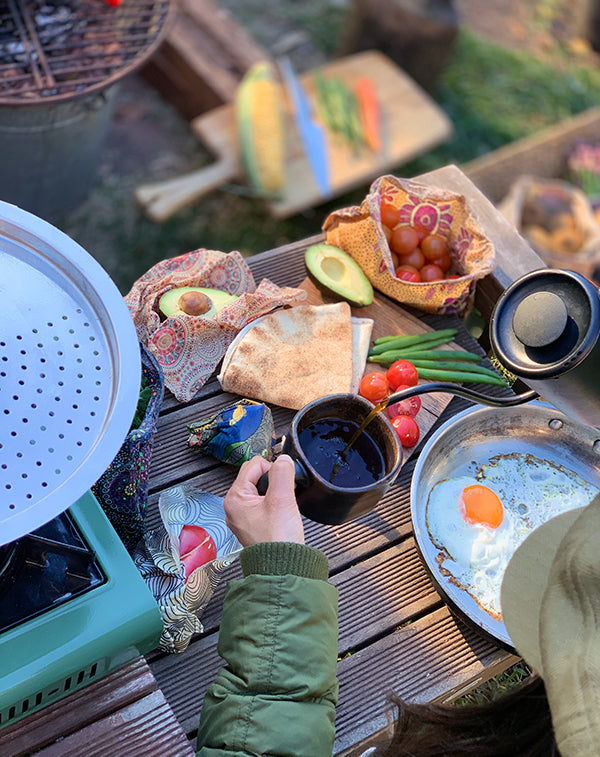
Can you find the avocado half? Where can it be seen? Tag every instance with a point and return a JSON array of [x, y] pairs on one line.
[[338, 275], [194, 301]]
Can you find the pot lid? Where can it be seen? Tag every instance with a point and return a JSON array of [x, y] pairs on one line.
[[545, 323], [69, 372]]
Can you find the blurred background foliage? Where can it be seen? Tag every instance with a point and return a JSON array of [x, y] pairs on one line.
[[492, 94]]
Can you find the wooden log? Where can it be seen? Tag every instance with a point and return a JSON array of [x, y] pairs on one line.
[[202, 59], [418, 35]]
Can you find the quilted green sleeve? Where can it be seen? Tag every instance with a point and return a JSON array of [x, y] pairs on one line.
[[277, 692]]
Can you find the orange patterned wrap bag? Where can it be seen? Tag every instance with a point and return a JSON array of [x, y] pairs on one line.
[[358, 231]]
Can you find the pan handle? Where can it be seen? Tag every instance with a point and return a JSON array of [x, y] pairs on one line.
[[461, 391]]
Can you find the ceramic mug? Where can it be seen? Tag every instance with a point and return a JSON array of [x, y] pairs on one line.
[[318, 498]]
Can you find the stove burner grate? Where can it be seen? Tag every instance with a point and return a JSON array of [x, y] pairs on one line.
[[44, 569]]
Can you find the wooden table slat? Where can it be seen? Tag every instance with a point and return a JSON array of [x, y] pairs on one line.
[[106, 695], [144, 728], [426, 660]]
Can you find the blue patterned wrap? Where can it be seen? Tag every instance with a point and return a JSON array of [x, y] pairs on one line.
[[235, 434]]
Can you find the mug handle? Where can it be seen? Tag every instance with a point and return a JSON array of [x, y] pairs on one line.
[[300, 478]]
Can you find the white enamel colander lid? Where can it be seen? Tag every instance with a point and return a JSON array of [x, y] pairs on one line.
[[69, 372]]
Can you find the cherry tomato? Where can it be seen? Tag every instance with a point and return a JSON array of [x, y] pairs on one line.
[[387, 232], [431, 272], [407, 429], [454, 276], [374, 387], [196, 548], [404, 239], [402, 373], [395, 259], [410, 406], [414, 258], [389, 215], [444, 262], [408, 273], [433, 246], [422, 232]]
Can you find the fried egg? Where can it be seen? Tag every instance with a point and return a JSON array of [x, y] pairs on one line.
[[478, 521]]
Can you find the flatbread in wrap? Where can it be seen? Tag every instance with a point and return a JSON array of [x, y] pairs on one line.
[[292, 356]]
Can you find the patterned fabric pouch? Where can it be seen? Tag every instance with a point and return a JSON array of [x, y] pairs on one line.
[[187, 347], [183, 562], [358, 231], [122, 490], [235, 434]]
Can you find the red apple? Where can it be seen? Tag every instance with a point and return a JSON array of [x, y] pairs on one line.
[[196, 548]]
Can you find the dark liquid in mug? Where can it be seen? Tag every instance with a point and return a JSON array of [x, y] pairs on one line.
[[325, 444]]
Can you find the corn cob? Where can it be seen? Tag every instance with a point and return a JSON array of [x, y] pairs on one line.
[[260, 123]]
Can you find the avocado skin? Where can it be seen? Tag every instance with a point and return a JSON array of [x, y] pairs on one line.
[[168, 302], [357, 290]]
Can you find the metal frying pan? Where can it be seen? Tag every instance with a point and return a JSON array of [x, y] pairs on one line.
[[69, 372], [470, 439]]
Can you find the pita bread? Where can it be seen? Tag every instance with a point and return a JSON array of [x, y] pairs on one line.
[[292, 356]]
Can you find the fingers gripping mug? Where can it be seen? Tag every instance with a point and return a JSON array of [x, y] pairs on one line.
[[336, 483]]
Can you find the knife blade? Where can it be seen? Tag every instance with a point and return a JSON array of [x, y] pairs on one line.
[[312, 133]]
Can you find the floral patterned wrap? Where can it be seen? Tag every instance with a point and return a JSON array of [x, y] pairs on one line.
[[358, 231], [188, 348], [183, 584], [235, 434], [122, 490]]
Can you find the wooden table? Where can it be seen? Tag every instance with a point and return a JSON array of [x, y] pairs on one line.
[[395, 630]]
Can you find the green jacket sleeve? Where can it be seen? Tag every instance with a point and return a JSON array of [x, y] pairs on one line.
[[277, 693]]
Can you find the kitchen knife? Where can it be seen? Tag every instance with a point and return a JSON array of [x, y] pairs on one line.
[[312, 134]]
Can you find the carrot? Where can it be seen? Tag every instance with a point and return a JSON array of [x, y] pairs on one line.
[[369, 112]]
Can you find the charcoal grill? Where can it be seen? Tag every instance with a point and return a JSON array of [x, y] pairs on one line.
[[55, 50], [61, 62]]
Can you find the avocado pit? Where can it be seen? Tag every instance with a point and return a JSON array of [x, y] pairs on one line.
[[194, 303]]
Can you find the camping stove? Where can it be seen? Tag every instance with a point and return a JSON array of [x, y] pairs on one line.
[[73, 606]]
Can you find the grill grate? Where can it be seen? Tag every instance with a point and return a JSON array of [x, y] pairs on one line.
[[55, 50]]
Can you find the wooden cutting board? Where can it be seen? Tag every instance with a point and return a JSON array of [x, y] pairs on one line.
[[389, 318], [412, 124]]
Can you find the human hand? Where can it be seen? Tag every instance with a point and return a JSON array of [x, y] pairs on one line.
[[274, 517]]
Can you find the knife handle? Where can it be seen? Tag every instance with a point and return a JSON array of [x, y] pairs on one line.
[[162, 199]]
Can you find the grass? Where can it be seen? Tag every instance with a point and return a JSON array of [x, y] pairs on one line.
[[494, 96], [496, 686]]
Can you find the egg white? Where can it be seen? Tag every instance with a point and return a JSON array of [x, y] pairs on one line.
[[531, 490]]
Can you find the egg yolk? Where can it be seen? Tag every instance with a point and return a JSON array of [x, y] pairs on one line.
[[482, 506]]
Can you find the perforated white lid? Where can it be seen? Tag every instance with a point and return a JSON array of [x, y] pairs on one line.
[[70, 371]]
